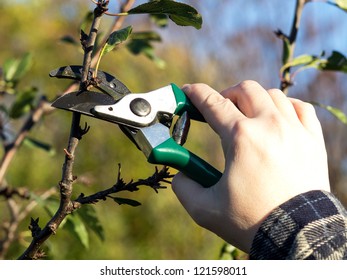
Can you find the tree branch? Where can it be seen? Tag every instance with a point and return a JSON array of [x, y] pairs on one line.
[[286, 78], [67, 206], [16, 217], [65, 185], [117, 24], [153, 181], [11, 149]]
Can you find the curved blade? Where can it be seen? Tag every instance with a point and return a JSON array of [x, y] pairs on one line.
[[83, 101], [104, 81]]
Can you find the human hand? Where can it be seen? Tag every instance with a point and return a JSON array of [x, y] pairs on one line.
[[273, 148]]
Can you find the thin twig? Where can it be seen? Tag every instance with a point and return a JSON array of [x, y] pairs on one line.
[[66, 205], [65, 185], [154, 181], [16, 217], [117, 24], [286, 78], [43, 108]]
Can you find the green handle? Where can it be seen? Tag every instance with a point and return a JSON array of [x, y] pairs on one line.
[[185, 105], [171, 154]]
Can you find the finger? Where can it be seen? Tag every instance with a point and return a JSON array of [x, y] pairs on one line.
[[283, 104], [218, 111], [250, 97], [307, 115]]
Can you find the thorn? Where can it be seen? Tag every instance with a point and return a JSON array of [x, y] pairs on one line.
[[83, 131], [34, 227], [119, 169]]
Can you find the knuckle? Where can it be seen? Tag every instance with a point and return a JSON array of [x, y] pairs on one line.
[[306, 107], [309, 107], [241, 130], [275, 91], [249, 85]]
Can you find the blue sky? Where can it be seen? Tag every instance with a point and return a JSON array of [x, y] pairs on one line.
[[225, 19]]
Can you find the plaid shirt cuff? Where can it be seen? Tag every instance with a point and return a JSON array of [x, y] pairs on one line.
[[312, 225]]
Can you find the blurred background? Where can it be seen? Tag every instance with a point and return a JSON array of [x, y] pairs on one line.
[[236, 42]]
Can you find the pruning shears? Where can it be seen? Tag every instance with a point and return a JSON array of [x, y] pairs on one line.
[[146, 118]]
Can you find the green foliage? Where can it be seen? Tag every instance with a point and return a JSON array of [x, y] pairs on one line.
[[109, 231], [342, 4], [126, 201], [77, 227], [159, 10], [335, 62], [15, 69], [34, 143], [141, 43], [180, 13], [337, 113], [23, 103], [160, 20], [128, 234], [91, 219], [116, 38]]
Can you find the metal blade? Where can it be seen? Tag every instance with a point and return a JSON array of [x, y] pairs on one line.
[[83, 101], [104, 81]]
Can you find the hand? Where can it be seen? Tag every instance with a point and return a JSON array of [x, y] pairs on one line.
[[273, 148]]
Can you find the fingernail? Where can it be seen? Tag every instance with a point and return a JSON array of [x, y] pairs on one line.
[[185, 87]]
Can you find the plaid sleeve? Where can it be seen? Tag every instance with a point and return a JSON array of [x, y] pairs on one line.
[[312, 225]]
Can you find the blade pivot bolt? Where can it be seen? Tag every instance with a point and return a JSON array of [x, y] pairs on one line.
[[140, 107]]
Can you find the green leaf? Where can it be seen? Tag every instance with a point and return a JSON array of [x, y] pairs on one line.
[[126, 201], [286, 50], [113, 40], [9, 67], [116, 38], [337, 113], [50, 205], [302, 60], [75, 225], [335, 62], [144, 47], [23, 103], [141, 44], [342, 4], [91, 220], [69, 40], [146, 35], [160, 19], [87, 20], [180, 13], [15, 69], [33, 143]]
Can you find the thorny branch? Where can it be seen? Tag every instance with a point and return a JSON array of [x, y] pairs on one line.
[[152, 181], [67, 206], [65, 185]]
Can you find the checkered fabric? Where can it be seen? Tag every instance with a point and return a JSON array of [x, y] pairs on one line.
[[312, 226]]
